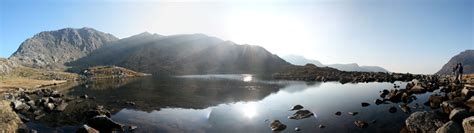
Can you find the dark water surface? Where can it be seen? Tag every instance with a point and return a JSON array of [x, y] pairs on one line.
[[240, 103]]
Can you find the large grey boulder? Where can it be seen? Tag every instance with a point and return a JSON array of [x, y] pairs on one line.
[[424, 122], [450, 127]]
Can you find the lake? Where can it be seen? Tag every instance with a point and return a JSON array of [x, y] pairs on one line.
[[239, 103]]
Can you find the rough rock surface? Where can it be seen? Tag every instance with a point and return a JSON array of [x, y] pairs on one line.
[[51, 49], [423, 122]]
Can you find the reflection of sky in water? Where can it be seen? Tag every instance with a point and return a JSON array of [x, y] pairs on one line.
[[324, 99]]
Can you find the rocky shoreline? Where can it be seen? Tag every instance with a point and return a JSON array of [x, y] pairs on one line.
[[452, 108], [53, 108], [310, 72]]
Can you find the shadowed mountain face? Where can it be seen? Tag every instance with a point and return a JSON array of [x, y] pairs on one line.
[[51, 49], [300, 60], [183, 54], [466, 58]]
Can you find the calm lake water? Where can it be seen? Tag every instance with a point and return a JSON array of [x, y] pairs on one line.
[[240, 103]]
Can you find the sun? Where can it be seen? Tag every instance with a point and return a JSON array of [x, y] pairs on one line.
[[249, 110]]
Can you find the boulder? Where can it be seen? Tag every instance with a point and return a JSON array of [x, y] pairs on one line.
[[49, 106], [338, 113], [276, 125], [378, 102], [423, 121], [468, 124], [458, 114], [470, 104], [434, 101], [104, 124], [448, 106], [361, 124], [301, 114], [450, 127], [296, 107]]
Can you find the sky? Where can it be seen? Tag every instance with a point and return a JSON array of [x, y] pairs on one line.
[[416, 36]]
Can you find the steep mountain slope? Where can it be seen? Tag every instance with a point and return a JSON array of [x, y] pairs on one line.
[[466, 58], [300, 60], [183, 54], [51, 49]]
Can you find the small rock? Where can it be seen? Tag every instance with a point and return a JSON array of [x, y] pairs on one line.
[[364, 104], [61, 106], [338, 113], [321, 126], [450, 127], [373, 121], [405, 108], [84, 96], [378, 102], [49, 106], [361, 124], [297, 129], [301, 114], [131, 128], [276, 125], [392, 109], [296, 107], [40, 116], [86, 129], [352, 113]]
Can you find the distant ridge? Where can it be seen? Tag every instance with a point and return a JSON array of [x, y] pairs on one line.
[[301, 61]]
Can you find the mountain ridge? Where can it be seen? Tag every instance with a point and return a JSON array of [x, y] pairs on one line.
[[466, 58], [301, 61]]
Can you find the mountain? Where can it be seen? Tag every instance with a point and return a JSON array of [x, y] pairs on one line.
[[182, 54], [51, 49], [466, 58], [300, 60], [357, 68]]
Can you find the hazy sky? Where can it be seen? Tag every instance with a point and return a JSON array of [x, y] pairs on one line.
[[416, 36]]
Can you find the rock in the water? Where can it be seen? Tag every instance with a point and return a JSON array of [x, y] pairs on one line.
[[458, 114], [61, 106], [450, 127], [392, 109], [338, 113], [405, 108], [85, 96], [104, 124], [423, 122], [361, 124], [352, 113], [364, 104], [296, 107], [321, 126], [86, 129], [276, 125], [301, 114], [435, 101], [378, 101], [297, 129], [468, 124]]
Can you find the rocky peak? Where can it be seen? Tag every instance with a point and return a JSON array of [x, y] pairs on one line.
[[51, 49]]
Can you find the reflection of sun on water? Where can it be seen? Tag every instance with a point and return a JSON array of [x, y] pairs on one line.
[[247, 78], [249, 110]]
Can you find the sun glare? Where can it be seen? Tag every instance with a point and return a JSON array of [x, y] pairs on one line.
[[247, 78], [280, 33], [249, 110]]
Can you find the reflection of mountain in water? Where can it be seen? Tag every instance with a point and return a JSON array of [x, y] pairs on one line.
[[154, 93]]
